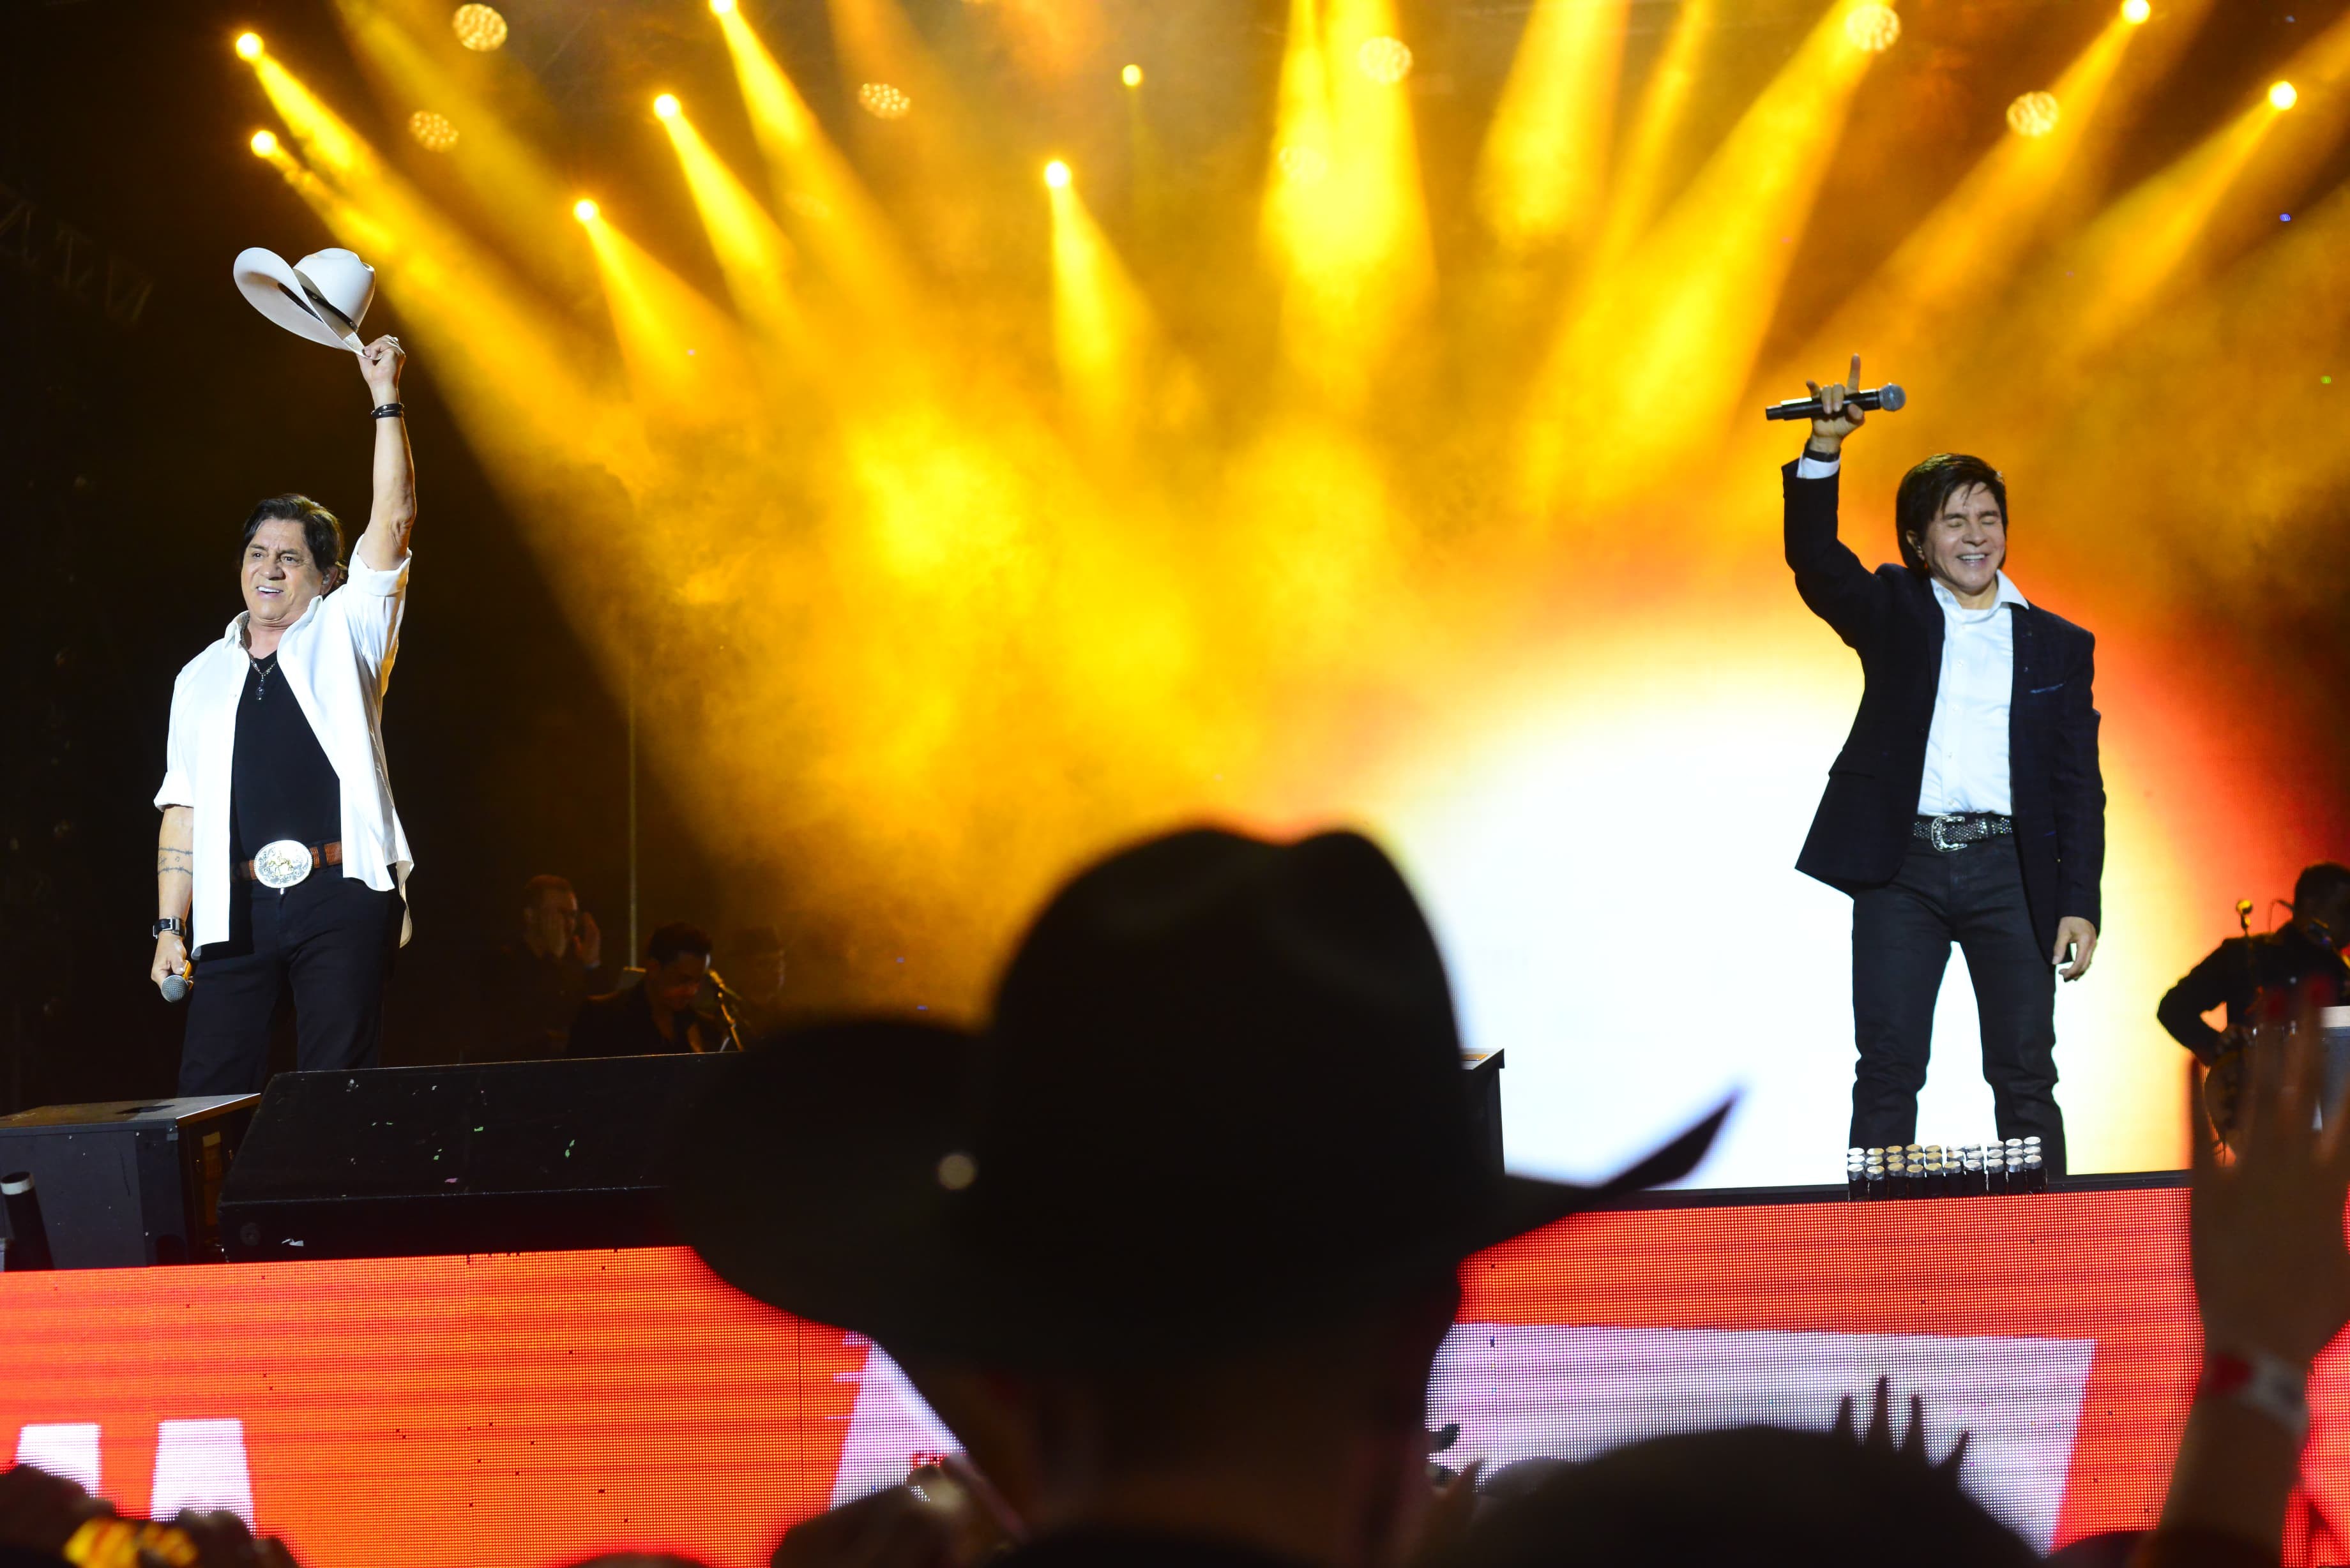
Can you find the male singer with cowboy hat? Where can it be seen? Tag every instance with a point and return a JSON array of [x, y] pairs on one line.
[[281, 857], [1967, 805]]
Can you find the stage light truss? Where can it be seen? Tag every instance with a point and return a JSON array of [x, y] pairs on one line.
[[80, 267]]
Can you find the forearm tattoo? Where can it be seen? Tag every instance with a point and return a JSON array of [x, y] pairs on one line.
[[169, 860]]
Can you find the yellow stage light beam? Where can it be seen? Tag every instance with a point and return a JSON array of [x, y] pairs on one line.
[[1688, 306], [330, 146], [2131, 251], [1967, 248], [838, 221], [586, 211], [1131, 76], [751, 249], [248, 45], [1102, 327], [666, 107], [506, 365], [2137, 11], [265, 143], [513, 190], [1342, 214], [2283, 95], [1639, 186], [1543, 164], [684, 359]]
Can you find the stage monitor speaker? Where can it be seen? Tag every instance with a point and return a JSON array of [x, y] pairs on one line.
[[129, 1182], [496, 1156]]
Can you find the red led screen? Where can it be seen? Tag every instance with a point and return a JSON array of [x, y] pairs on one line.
[[528, 1410]]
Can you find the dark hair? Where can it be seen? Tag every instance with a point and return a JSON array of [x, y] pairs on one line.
[[321, 531], [1749, 1494], [1927, 488], [675, 941], [539, 887], [2322, 893]]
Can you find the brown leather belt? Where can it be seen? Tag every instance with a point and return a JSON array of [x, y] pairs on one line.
[[320, 854]]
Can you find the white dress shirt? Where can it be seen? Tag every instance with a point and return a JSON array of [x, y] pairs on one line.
[[336, 660], [1966, 745]]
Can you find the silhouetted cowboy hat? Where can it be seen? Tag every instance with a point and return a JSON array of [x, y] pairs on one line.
[[1221, 1092], [324, 296]]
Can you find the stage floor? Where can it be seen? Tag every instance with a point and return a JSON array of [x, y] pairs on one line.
[[529, 1408]]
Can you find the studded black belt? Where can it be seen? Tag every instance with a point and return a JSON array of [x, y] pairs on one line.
[[1954, 831]]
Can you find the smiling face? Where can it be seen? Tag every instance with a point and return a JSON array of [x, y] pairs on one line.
[[1965, 545], [278, 575]]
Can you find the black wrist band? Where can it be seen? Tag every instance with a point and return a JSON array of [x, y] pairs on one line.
[[388, 410], [1837, 456]]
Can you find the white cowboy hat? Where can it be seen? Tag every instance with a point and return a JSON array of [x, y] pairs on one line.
[[323, 296]]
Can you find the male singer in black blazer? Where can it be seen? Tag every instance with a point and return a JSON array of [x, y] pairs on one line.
[[1966, 804]]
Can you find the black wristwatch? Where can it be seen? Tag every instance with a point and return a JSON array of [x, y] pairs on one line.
[[172, 924]]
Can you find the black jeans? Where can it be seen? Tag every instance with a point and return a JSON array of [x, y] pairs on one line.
[[1901, 937], [334, 938]]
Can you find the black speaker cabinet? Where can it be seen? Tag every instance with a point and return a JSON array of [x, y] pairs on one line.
[[129, 1181], [499, 1157]]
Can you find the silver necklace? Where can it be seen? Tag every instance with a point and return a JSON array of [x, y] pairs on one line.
[[266, 668]]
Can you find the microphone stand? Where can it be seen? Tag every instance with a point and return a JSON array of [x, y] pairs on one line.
[[726, 995]]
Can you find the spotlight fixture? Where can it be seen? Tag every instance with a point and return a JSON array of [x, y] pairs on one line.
[[2137, 11], [1131, 76], [665, 106], [2282, 96], [479, 27], [434, 133], [883, 101], [248, 45], [722, 8], [265, 143], [2034, 114], [1385, 61], [1056, 175], [584, 210], [1872, 29]]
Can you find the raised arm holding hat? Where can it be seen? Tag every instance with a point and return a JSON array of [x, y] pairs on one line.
[[281, 859]]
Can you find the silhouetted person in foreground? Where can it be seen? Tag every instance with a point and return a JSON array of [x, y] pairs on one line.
[[1748, 1495], [1171, 1245]]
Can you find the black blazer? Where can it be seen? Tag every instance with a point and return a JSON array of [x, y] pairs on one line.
[[1890, 617]]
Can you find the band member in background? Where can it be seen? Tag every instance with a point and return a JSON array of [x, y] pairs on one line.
[[1967, 804], [531, 988], [2304, 955], [281, 857], [652, 1012]]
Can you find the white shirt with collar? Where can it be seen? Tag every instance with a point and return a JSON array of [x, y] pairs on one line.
[[1966, 745], [336, 660]]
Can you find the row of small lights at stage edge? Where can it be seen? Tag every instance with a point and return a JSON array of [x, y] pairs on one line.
[[1387, 61]]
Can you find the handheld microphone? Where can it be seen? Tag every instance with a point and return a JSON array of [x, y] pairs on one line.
[[175, 986], [1887, 397]]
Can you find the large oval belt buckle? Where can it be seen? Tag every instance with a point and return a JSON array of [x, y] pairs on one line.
[[1934, 833], [282, 864]]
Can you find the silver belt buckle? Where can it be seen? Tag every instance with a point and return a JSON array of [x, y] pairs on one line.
[[282, 864], [1933, 834]]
